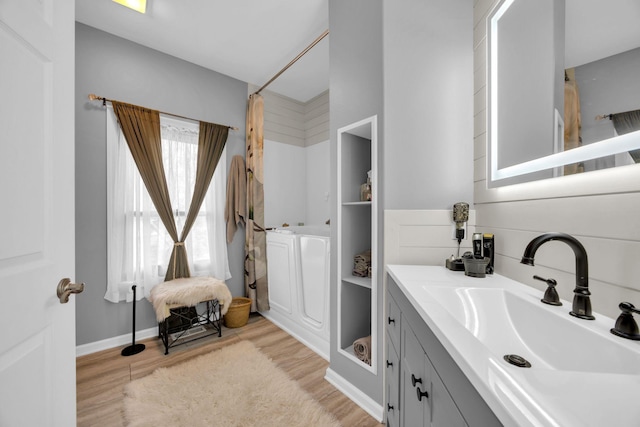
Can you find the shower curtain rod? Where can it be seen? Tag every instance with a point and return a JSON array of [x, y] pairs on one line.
[[94, 97], [293, 61]]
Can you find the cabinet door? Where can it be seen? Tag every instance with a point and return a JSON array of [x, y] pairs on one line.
[[415, 412], [444, 412], [425, 400], [392, 321], [392, 372]]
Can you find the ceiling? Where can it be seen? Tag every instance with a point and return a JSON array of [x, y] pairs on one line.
[[250, 40]]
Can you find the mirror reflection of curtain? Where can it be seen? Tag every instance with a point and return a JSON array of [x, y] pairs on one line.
[[572, 119], [139, 247], [626, 122], [255, 264]]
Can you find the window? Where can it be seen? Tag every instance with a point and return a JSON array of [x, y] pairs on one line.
[[139, 246]]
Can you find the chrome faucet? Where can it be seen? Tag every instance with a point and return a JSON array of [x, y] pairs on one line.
[[581, 302]]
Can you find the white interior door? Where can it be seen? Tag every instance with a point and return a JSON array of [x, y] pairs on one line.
[[37, 348]]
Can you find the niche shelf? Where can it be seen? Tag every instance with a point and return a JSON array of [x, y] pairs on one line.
[[365, 282], [356, 233]]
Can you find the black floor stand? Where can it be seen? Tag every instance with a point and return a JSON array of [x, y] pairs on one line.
[[133, 348]]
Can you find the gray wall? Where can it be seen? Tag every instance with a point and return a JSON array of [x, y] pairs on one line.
[[115, 68], [355, 93], [428, 103], [411, 63]]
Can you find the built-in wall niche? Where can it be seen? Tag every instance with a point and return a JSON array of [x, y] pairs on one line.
[[356, 234]]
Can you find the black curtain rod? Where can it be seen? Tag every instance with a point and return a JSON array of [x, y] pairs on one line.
[[94, 97], [610, 115]]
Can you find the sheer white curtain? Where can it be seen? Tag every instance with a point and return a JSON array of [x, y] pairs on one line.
[[138, 246]]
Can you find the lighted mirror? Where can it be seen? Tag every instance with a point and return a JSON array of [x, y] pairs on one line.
[[563, 88]]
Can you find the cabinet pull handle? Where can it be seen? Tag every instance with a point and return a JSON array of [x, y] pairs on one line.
[[389, 364], [422, 394], [390, 320], [389, 407], [415, 380]]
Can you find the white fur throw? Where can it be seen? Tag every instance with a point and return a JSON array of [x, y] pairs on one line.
[[188, 291]]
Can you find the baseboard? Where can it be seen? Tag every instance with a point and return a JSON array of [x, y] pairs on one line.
[[122, 340], [372, 407]]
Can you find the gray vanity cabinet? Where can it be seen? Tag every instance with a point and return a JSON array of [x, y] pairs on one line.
[[392, 364], [425, 400], [393, 386], [431, 389]]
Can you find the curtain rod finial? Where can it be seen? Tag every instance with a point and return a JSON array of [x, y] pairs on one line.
[[93, 97]]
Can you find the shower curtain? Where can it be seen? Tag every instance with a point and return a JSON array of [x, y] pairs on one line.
[[255, 262], [572, 119]]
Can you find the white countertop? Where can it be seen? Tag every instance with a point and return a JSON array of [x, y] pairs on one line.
[[540, 395]]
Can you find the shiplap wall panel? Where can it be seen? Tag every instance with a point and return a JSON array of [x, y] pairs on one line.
[[318, 105], [613, 216], [283, 105], [317, 119], [317, 129], [293, 122], [423, 237], [599, 208], [275, 131], [274, 117], [283, 119]]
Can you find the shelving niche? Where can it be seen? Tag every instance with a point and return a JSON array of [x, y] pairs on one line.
[[357, 232]]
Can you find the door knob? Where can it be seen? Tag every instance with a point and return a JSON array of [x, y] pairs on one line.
[[66, 288]]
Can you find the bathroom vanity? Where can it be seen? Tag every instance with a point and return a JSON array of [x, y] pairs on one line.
[[424, 386], [463, 351]]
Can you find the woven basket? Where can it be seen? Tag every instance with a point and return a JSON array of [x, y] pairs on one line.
[[238, 313]]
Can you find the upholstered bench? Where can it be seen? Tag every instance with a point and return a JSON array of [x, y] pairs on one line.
[[171, 299]]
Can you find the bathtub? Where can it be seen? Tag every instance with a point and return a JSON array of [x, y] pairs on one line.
[[298, 276]]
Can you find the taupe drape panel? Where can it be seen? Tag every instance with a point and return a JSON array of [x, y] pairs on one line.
[[628, 122], [141, 128], [255, 262], [211, 141]]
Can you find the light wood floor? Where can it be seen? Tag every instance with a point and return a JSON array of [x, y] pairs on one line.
[[101, 376]]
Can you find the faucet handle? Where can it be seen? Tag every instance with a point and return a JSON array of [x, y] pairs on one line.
[[627, 307], [626, 326], [551, 295]]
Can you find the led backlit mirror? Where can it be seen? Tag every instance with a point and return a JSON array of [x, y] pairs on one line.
[[559, 72]]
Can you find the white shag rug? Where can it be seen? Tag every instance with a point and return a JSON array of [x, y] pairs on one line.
[[232, 387]]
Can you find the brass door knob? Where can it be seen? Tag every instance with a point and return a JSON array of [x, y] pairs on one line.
[[66, 288]]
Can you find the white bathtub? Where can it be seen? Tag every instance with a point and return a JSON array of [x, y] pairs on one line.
[[298, 275]]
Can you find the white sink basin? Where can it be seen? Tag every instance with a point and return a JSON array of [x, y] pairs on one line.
[[546, 336], [580, 374]]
